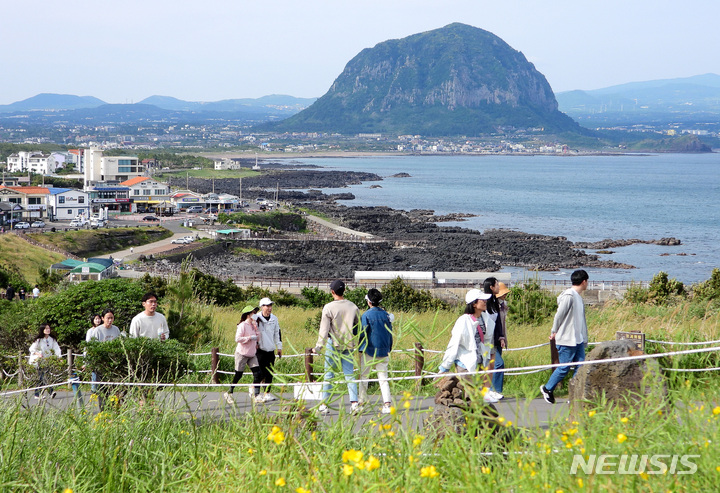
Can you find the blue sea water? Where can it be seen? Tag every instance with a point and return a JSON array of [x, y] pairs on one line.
[[584, 198]]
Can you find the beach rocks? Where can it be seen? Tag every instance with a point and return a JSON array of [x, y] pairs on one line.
[[622, 383], [608, 243]]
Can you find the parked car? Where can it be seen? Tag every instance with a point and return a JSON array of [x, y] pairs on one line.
[[22, 225], [195, 209], [77, 223], [183, 241], [97, 223], [212, 210], [150, 218], [38, 224]]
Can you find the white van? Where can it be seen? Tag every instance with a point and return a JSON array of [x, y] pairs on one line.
[[195, 209]]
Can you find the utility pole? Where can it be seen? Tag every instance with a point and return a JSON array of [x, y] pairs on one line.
[[187, 180]]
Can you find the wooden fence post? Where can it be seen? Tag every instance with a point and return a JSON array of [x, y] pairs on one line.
[[214, 361], [20, 370], [419, 363], [70, 366], [309, 377]]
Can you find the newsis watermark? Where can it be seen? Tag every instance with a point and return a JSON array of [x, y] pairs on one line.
[[634, 464]]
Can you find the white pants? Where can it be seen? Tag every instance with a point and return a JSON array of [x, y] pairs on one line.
[[380, 365]]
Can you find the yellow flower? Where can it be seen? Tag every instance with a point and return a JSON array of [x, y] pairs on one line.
[[592, 413], [280, 482], [412, 459], [716, 410], [276, 435], [314, 435], [484, 391], [418, 440], [352, 455], [621, 437], [485, 470], [509, 423], [391, 434], [429, 472], [580, 482], [300, 489], [624, 420], [387, 427], [717, 468], [407, 395], [251, 451], [348, 470], [68, 490], [406, 404], [372, 463], [644, 475], [263, 472], [392, 410]]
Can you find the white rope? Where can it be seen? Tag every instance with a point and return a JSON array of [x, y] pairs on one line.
[[8, 375], [691, 369], [683, 343], [200, 354], [414, 377], [527, 347]]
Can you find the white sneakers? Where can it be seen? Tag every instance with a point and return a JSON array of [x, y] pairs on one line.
[[259, 399], [496, 395], [269, 397], [228, 398], [323, 409], [386, 409], [492, 397], [356, 408]]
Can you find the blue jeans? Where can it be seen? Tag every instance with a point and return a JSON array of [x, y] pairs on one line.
[[498, 378], [566, 354], [332, 358]]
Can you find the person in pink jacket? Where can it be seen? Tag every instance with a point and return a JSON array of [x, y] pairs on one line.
[[246, 337]]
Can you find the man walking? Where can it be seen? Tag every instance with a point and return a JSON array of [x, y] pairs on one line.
[[338, 327], [270, 340], [149, 323], [569, 331]]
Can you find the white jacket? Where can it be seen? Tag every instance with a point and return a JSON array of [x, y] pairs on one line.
[[569, 325], [269, 333], [462, 344], [43, 348]]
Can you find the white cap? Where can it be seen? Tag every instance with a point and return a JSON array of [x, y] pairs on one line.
[[476, 294], [265, 301]]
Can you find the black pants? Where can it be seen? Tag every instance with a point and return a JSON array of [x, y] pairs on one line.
[[256, 379], [266, 360]]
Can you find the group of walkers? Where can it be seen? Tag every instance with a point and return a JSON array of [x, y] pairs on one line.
[[477, 341], [149, 323], [10, 293]]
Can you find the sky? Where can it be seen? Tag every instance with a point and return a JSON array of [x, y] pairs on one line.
[[125, 51]]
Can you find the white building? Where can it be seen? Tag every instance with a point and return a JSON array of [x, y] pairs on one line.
[[66, 203], [33, 161], [147, 193], [109, 169], [221, 164]]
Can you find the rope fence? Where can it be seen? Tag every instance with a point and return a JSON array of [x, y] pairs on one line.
[[427, 375]]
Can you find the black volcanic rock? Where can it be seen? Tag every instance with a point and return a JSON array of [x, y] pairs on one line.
[[455, 80]]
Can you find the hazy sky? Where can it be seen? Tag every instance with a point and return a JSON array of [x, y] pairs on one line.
[[124, 51]]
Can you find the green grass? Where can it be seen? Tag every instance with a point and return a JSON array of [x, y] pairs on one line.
[[25, 257], [136, 448]]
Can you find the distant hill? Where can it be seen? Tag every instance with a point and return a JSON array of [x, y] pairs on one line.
[[47, 101], [275, 103], [456, 80], [685, 99]]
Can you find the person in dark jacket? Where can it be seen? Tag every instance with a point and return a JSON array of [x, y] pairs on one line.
[[376, 342]]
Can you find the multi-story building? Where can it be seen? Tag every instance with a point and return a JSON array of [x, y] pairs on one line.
[[115, 199], [31, 161], [67, 203], [109, 169], [147, 194], [32, 200]]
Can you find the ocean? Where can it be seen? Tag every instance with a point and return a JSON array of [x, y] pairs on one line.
[[584, 198]]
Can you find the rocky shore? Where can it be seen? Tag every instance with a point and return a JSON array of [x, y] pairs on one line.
[[404, 240]]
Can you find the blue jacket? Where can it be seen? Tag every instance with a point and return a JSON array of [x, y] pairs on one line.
[[376, 333]]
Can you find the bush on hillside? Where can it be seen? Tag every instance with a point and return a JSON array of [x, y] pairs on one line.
[[189, 321], [661, 290], [528, 303], [16, 326], [316, 297], [708, 290], [399, 295]]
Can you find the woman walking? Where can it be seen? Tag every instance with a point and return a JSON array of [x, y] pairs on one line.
[[105, 332], [44, 346], [246, 338], [470, 341], [376, 342], [492, 286]]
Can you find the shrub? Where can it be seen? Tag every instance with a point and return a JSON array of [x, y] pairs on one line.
[[316, 297], [16, 326], [189, 322], [708, 290], [398, 295], [138, 360], [529, 303], [662, 288]]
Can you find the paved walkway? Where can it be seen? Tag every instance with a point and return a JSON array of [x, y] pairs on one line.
[[211, 405]]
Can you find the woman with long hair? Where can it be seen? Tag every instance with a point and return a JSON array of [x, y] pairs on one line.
[[45, 345], [469, 346], [246, 338], [491, 286]]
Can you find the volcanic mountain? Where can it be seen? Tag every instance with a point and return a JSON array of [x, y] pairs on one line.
[[456, 80]]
